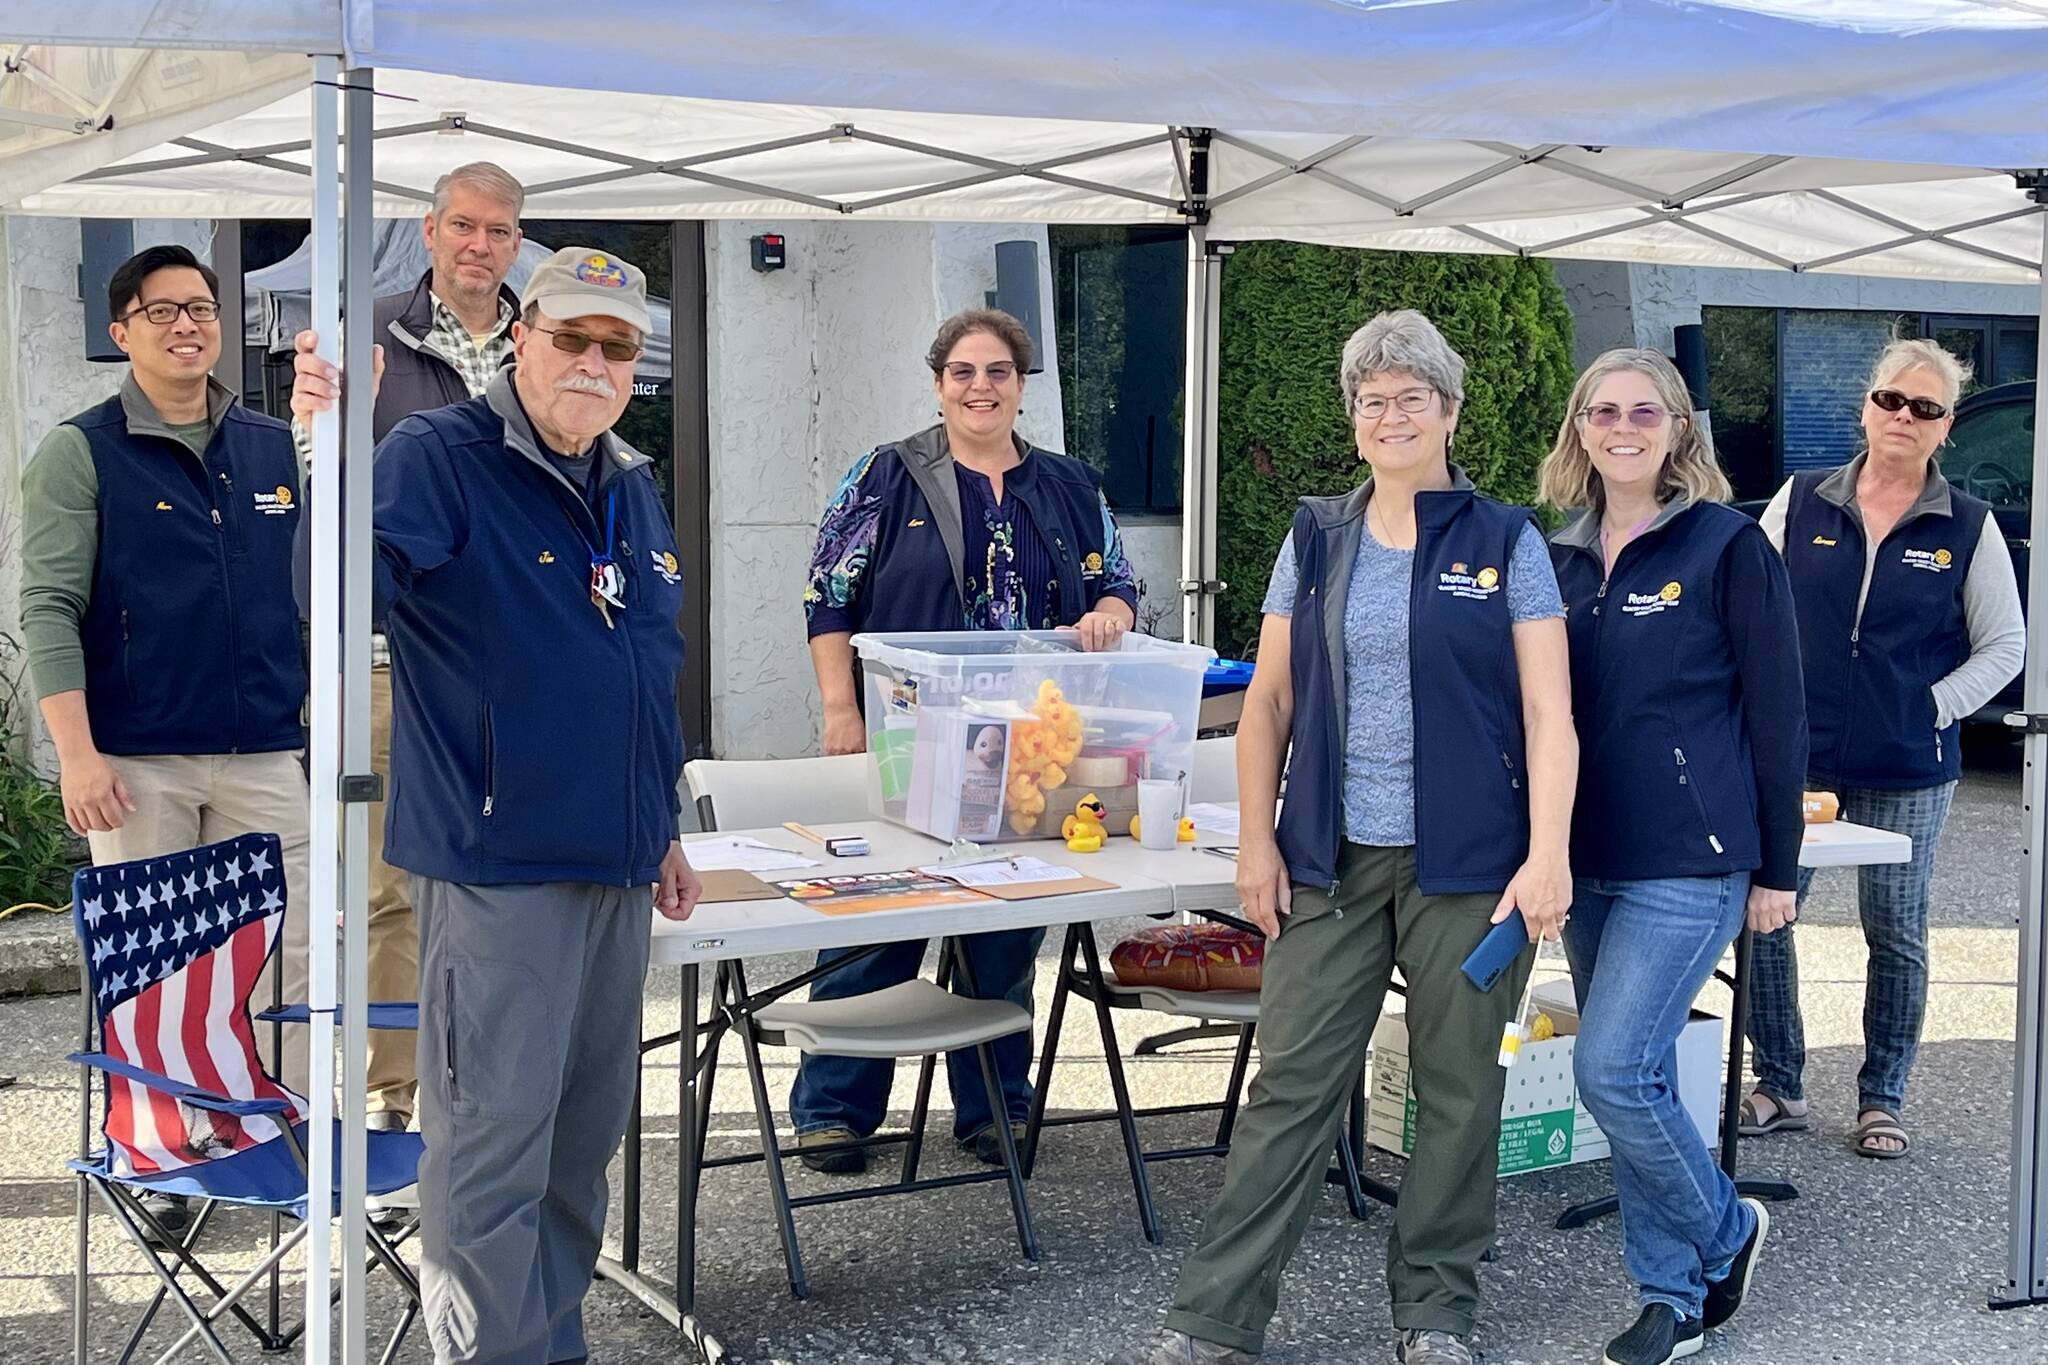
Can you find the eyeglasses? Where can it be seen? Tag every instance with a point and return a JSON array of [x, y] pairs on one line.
[[163, 312], [1926, 409], [576, 343], [1408, 400], [1643, 415], [999, 373]]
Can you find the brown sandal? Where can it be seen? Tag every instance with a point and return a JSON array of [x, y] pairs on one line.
[[1782, 1119], [1880, 1126]]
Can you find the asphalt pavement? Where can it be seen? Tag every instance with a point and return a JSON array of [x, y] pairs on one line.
[[1875, 1261]]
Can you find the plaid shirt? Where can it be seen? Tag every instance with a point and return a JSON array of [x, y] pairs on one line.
[[476, 362]]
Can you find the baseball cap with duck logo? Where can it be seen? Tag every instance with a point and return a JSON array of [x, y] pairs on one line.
[[582, 282]]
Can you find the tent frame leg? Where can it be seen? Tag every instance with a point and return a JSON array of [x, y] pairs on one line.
[[2026, 1279]]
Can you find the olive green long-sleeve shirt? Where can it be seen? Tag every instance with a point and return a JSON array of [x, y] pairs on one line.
[[60, 495]]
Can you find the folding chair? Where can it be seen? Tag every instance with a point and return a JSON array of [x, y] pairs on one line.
[[171, 949], [914, 1019], [1223, 1012]]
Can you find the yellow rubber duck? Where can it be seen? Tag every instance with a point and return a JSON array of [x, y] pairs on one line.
[[1084, 830], [1185, 834]]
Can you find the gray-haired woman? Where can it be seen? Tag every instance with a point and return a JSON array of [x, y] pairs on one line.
[[1909, 620], [1413, 654]]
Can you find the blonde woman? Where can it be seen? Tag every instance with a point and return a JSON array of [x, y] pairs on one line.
[[1909, 620], [1687, 699]]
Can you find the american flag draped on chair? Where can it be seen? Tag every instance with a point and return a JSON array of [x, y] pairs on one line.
[[174, 946]]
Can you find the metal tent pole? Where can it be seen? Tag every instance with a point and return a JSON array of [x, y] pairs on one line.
[[1199, 585], [2027, 1263], [323, 747], [357, 785]]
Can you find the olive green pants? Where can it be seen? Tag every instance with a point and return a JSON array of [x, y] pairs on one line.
[[1323, 983]]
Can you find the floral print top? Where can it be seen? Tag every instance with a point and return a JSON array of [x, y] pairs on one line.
[[1012, 579]]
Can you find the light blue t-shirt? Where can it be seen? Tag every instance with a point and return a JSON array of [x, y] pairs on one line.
[[1379, 748]]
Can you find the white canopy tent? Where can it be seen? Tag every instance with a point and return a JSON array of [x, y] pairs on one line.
[[1897, 137]]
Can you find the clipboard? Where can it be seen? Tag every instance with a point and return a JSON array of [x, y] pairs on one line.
[[732, 884], [1031, 891]]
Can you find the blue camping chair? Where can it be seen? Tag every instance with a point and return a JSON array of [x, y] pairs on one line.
[[171, 949]]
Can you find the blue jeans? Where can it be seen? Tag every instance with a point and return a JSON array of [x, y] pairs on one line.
[[1640, 951], [853, 1092], [1891, 898]]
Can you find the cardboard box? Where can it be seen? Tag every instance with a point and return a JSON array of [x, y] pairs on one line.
[[1542, 1123]]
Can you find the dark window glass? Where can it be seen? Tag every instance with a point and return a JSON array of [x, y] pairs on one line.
[[1119, 327], [1742, 393]]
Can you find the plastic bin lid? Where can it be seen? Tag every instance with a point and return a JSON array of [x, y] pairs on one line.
[[1226, 675]]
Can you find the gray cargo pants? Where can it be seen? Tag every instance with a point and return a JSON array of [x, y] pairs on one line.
[[529, 1045]]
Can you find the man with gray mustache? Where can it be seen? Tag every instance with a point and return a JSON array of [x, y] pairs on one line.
[[528, 579]]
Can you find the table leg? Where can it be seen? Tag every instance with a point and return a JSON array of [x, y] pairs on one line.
[[629, 1222], [689, 1158], [1578, 1215]]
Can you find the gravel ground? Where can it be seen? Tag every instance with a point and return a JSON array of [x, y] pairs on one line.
[[1875, 1261]]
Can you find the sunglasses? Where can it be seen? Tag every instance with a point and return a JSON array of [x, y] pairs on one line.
[[999, 373], [163, 313], [1926, 409], [1643, 415], [576, 343]]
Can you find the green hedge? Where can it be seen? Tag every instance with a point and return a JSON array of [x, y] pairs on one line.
[[1288, 309]]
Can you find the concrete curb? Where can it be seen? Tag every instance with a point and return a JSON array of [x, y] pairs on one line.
[[38, 954]]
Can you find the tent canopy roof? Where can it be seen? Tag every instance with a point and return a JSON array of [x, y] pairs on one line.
[[1870, 136]]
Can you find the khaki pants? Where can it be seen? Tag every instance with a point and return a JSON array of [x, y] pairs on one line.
[[1319, 998], [394, 938], [183, 801]]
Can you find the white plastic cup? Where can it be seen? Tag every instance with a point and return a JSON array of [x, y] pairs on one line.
[[1158, 812]]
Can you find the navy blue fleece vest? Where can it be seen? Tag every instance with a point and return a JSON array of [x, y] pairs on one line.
[[1869, 698], [191, 637], [1471, 802]]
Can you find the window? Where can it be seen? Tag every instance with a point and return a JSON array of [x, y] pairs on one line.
[[1785, 385], [1742, 395], [1119, 329]]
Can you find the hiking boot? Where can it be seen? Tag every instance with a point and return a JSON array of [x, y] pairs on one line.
[[851, 1161], [1726, 1294], [1433, 1348], [1178, 1348], [988, 1146], [1659, 1337], [173, 1212]]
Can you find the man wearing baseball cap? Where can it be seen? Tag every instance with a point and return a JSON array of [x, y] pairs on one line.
[[524, 572]]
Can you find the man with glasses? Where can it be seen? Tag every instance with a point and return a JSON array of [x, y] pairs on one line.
[[157, 609], [442, 341], [526, 573]]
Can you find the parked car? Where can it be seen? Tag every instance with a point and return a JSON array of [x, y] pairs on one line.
[[1991, 456]]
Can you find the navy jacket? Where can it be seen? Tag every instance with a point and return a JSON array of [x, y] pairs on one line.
[[1471, 803], [191, 638], [916, 576], [1869, 681], [531, 742], [417, 377], [1687, 698]]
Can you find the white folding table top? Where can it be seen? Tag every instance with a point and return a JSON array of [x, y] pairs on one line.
[[1148, 882]]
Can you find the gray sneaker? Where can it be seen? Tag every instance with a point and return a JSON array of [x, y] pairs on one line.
[[1178, 1348], [1432, 1348]]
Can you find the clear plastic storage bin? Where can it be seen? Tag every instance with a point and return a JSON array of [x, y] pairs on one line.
[[998, 735]]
